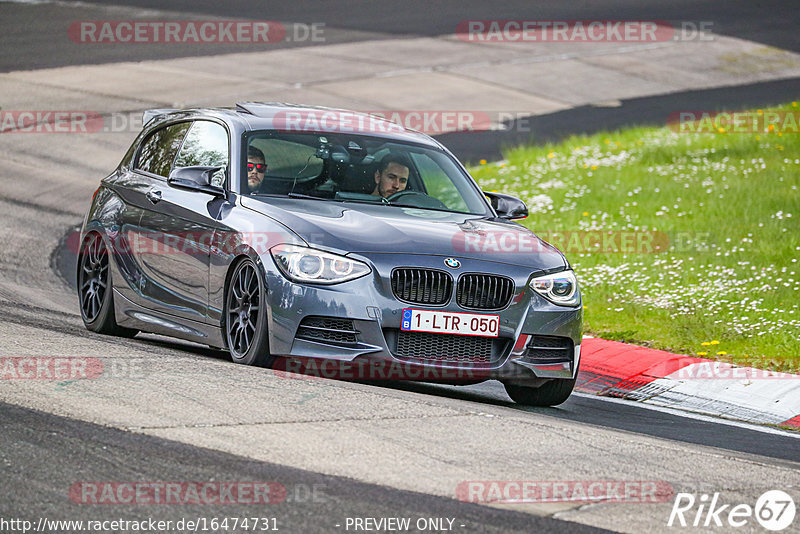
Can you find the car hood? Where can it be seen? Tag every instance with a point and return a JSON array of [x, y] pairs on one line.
[[365, 228]]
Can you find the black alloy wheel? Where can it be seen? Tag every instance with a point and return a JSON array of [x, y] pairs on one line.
[[95, 289], [245, 316]]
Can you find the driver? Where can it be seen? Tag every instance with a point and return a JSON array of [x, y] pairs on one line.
[[391, 176]]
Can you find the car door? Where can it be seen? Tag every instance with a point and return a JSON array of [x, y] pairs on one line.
[[145, 169], [178, 228]]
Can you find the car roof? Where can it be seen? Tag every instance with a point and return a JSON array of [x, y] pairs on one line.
[[298, 118]]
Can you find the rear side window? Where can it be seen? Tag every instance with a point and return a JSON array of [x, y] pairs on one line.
[[159, 149], [206, 144]]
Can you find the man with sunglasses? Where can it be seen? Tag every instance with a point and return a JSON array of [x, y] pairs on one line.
[[256, 167]]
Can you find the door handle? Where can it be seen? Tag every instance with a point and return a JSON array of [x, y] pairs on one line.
[[153, 196]]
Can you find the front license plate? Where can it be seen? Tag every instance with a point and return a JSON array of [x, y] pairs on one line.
[[465, 324]]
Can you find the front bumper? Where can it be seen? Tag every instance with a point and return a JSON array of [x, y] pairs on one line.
[[375, 315]]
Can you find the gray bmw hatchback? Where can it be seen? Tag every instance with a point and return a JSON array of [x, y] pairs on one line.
[[316, 240]]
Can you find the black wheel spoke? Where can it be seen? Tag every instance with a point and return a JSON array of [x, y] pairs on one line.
[[237, 294], [235, 339], [240, 337], [246, 279], [94, 256], [242, 288]]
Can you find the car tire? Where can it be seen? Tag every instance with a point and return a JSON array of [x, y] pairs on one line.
[[95, 290], [551, 393], [245, 319]]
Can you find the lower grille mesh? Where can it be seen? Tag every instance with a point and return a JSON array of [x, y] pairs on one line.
[[328, 330], [445, 347]]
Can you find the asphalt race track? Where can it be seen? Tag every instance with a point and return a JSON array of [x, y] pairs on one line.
[[770, 22], [170, 411], [56, 448]]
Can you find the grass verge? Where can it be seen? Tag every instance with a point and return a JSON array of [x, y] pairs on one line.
[[707, 228]]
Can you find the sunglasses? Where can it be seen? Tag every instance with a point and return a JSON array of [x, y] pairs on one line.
[[259, 167]]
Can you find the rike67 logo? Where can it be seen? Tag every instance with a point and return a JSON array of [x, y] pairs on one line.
[[774, 510]]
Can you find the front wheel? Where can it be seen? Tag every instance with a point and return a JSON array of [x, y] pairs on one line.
[[551, 393], [245, 323]]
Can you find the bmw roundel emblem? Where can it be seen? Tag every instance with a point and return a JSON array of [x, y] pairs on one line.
[[452, 263]]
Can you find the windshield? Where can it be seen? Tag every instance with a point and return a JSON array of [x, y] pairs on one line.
[[353, 168]]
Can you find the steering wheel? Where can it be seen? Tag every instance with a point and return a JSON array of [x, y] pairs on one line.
[[417, 199]]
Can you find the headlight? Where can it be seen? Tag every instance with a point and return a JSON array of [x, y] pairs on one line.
[[303, 264], [559, 288]]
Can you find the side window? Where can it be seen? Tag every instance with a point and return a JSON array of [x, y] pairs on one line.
[[127, 159], [206, 144], [438, 184], [158, 150]]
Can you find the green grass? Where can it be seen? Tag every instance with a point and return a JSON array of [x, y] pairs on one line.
[[728, 283]]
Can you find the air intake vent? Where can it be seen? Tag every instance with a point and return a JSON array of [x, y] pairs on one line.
[[484, 291], [422, 286], [547, 349], [328, 330]]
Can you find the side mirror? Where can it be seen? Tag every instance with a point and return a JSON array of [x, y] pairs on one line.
[[197, 178], [507, 206]]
